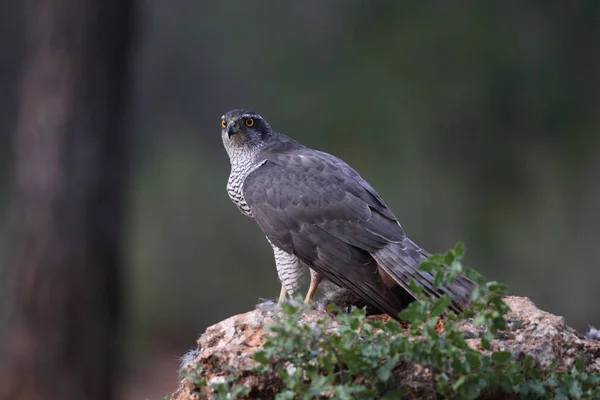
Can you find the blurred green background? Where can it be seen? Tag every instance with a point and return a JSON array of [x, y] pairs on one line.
[[476, 121]]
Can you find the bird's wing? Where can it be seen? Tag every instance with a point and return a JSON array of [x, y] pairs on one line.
[[290, 191], [315, 206]]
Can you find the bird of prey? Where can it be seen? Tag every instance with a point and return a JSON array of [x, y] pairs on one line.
[[318, 212]]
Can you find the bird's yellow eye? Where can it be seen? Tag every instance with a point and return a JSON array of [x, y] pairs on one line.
[[223, 123], [249, 122]]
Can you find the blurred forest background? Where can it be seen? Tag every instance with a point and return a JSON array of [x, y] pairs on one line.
[[477, 122]]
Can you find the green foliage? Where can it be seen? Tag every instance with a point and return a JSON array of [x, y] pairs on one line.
[[226, 390], [361, 359]]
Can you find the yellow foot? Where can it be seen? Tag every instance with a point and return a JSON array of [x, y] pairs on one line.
[[315, 280], [282, 295]]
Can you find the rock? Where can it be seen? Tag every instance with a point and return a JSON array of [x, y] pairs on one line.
[[593, 333], [233, 342]]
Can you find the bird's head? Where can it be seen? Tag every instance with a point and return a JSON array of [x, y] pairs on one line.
[[243, 129]]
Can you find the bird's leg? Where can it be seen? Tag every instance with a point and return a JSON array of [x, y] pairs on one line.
[[282, 295], [290, 271], [315, 280]]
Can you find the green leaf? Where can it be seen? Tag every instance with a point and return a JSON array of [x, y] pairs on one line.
[[536, 387], [459, 382], [473, 388], [501, 356], [480, 320], [575, 389], [230, 369], [344, 392], [436, 260], [474, 359], [497, 288], [579, 364], [456, 268], [332, 308], [485, 341], [440, 306], [412, 316], [560, 394], [289, 308], [354, 323], [438, 279], [506, 383], [384, 374], [459, 250], [199, 382], [261, 357], [428, 266], [385, 371], [285, 395], [394, 395], [415, 288]]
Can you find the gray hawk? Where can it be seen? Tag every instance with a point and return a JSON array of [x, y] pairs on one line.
[[318, 212]]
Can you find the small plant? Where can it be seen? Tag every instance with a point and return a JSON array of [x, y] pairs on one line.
[[361, 359], [229, 389]]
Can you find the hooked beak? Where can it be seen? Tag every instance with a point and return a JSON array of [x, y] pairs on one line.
[[232, 129]]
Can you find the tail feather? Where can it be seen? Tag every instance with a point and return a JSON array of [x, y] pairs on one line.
[[400, 262]]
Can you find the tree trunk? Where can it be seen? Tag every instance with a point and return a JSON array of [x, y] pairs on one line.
[[71, 165]]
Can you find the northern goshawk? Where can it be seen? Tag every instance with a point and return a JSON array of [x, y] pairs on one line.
[[318, 212]]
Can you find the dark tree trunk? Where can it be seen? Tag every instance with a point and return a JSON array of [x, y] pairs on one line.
[[71, 165]]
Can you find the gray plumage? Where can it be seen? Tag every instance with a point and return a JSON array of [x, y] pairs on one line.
[[317, 211], [246, 157]]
